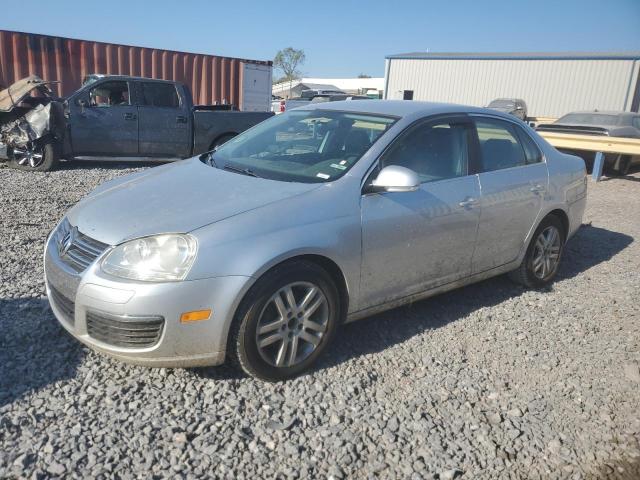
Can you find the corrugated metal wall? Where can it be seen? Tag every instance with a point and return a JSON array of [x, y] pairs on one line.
[[210, 78], [551, 88]]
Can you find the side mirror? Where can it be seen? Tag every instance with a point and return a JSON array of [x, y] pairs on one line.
[[395, 178]]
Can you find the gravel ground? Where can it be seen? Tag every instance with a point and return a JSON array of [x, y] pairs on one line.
[[489, 381]]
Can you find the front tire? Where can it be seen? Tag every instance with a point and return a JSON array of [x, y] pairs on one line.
[[37, 156], [285, 321], [540, 264]]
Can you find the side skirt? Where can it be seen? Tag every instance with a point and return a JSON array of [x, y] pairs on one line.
[[353, 316], [126, 159]]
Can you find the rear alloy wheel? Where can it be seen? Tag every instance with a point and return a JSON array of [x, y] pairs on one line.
[[285, 321], [35, 156], [540, 264], [546, 254]]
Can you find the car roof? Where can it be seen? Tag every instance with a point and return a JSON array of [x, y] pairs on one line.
[[100, 76], [399, 108]]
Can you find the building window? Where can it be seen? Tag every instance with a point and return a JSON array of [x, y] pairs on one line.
[[407, 95]]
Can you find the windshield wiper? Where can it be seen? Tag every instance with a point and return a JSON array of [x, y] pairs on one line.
[[244, 171]]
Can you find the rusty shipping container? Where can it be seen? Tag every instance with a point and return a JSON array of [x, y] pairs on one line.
[[212, 79]]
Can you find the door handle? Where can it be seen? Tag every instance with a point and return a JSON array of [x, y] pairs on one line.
[[181, 119], [468, 202], [537, 188], [130, 116]]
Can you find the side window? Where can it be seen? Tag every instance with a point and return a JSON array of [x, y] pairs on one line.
[[109, 94], [499, 145], [435, 150], [531, 151], [160, 95], [636, 122]]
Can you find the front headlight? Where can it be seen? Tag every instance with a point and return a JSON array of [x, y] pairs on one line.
[[161, 258]]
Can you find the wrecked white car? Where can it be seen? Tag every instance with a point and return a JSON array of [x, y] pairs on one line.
[[31, 123]]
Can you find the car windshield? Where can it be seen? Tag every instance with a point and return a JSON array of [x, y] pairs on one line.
[[502, 103], [311, 146], [589, 119]]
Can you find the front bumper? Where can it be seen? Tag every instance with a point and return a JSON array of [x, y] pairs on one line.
[[78, 299]]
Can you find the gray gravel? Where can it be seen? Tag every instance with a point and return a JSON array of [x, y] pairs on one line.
[[490, 381]]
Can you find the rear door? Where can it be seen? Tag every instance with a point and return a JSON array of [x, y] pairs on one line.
[[103, 121], [513, 181], [165, 121]]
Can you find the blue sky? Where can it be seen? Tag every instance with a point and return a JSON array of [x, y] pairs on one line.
[[340, 38]]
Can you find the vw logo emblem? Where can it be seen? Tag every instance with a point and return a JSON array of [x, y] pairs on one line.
[[67, 241]]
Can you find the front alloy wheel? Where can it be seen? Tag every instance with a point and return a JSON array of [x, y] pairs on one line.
[[292, 324], [285, 321], [29, 155], [38, 156]]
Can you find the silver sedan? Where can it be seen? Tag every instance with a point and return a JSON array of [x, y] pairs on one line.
[[259, 250]]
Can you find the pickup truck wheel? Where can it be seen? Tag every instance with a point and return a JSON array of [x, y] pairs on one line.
[[35, 156], [222, 140], [285, 321]]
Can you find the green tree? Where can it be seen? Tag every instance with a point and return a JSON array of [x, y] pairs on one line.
[[288, 60]]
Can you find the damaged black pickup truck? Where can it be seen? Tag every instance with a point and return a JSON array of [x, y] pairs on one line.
[[111, 117]]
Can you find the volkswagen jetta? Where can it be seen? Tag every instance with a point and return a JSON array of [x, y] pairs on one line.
[[259, 250]]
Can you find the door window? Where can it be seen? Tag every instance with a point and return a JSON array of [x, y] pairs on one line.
[[109, 94], [435, 150], [636, 122], [160, 95], [531, 151], [499, 145]]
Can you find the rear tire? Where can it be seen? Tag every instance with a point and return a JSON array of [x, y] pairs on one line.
[[540, 263], [38, 156], [273, 336]]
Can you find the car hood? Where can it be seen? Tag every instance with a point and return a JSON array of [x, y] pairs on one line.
[[178, 197], [18, 91]]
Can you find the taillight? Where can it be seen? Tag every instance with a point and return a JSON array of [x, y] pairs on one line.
[[282, 106]]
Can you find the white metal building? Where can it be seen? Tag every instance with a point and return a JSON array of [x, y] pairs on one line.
[[550, 84], [353, 86]]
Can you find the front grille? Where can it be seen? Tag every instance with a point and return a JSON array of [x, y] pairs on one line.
[[76, 249], [124, 330], [65, 305]]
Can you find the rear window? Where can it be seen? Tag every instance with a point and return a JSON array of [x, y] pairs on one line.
[[589, 119], [160, 95]]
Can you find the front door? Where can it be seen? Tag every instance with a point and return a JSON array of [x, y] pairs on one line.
[[414, 241], [104, 122], [513, 180], [165, 121]]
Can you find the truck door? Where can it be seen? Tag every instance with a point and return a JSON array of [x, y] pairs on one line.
[[165, 121], [103, 121]]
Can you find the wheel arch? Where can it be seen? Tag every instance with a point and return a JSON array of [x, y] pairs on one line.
[[563, 217], [323, 261]]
